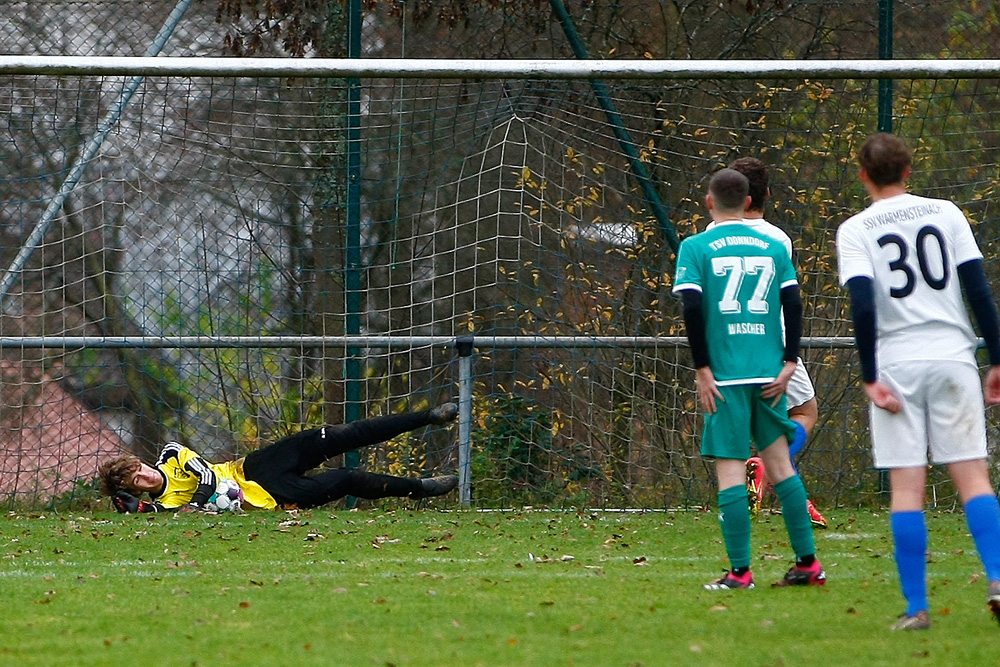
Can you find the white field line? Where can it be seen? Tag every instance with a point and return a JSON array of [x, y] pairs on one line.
[[370, 567]]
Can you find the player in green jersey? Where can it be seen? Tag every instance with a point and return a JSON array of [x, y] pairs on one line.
[[735, 284], [803, 408]]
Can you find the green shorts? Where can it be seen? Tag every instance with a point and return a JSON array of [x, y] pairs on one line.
[[744, 417]]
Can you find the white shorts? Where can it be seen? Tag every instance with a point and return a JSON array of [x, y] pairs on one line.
[[800, 388], [942, 412]]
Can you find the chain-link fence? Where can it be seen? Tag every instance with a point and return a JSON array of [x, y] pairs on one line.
[[223, 206]]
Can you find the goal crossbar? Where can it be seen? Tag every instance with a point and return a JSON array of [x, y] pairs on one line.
[[500, 69]]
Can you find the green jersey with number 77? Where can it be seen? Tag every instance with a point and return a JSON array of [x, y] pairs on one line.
[[740, 274]]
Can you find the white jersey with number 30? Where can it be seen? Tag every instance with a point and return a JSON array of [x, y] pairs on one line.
[[911, 247]]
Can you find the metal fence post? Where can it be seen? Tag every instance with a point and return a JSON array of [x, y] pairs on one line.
[[464, 346], [886, 30]]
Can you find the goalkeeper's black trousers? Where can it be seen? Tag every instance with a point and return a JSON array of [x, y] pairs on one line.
[[281, 467]]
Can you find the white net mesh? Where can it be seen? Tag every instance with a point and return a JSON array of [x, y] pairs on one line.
[[225, 206]]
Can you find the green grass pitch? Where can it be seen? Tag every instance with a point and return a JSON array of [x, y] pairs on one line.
[[426, 587]]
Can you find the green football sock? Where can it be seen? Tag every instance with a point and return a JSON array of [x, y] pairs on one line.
[[792, 494], [734, 517]]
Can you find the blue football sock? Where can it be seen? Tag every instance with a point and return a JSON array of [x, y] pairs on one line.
[[983, 516], [798, 442], [909, 531]]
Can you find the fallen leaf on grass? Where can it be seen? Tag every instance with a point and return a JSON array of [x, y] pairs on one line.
[[441, 538]]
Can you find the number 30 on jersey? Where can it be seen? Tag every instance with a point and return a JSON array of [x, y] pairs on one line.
[[927, 236]]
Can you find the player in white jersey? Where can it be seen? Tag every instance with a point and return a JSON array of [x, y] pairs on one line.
[[907, 261], [803, 408]]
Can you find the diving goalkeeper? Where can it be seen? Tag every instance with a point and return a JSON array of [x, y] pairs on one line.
[[276, 474]]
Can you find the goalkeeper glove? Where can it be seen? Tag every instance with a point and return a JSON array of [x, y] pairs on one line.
[[126, 503]]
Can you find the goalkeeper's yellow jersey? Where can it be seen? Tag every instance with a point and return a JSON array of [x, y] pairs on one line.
[[185, 471], [253, 493]]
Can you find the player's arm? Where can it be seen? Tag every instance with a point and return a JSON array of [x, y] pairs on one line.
[[980, 297], [862, 294], [694, 325], [193, 465], [791, 310], [206, 480]]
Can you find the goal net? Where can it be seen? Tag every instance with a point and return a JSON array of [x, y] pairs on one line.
[[246, 256]]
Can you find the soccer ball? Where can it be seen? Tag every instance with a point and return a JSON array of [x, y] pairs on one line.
[[228, 497]]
